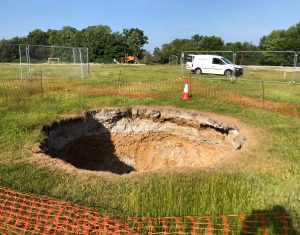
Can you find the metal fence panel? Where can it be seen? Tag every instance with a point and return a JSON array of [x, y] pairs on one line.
[[279, 66], [297, 68], [267, 65], [22, 61]]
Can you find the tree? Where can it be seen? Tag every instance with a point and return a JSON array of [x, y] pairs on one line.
[[37, 37], [147, 58], [71, 36], [9, 49], [240, 46], [104, 45], [196, 43], [53, 37], [293, 37], [95, 38], [135, 40], [207, 43], [115, 48], [157, 56], [280, 40], [275, 41]]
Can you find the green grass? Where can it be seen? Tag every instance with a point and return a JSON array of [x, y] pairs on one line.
[[14, 70], [134, 73], [9, 71], [267, 176], [190, 193], [277, 92], [105, 75], [266, 74]]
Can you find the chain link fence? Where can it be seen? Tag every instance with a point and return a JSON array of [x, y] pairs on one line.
[[278, 66], [23, 61], [264, 94], [33, 70], [273, 66], [16, 91]]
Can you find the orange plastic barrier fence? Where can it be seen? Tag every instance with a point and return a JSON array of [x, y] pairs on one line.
[[28, 214], [22, 213]]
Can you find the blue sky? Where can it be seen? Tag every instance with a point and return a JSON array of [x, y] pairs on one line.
[[161, 20]]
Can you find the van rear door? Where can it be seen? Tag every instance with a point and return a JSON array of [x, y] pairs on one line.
[[189, 62]]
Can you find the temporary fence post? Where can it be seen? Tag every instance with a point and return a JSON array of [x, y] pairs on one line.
[[295, 66], [74, 60], [263, 89], [87, 61], [81, 65], [182, 62], [191, 85], [42, 88], [20, 55], [234, 59], [28, 60], [119, 85]]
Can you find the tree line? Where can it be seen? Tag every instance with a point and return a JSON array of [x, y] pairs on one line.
[[277, 40], [105, 45]]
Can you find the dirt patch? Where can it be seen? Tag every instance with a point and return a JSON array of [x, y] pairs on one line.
[[140, 139]]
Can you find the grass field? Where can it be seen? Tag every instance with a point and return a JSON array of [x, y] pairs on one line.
[[268, 176]]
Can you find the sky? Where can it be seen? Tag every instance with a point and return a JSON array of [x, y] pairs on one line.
[[161, 20]]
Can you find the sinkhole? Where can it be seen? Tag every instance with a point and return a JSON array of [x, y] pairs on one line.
[[140, 139]]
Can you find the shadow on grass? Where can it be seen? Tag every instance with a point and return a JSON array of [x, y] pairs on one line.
[[273, 221]]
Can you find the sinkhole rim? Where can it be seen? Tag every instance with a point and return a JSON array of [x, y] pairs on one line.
[[185, 118]]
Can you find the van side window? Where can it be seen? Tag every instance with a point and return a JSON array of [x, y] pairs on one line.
[[217, 61]]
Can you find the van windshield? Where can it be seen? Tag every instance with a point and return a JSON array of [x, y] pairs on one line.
[[226, 60]]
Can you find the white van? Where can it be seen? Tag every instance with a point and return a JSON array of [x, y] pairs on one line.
[[212, 64]]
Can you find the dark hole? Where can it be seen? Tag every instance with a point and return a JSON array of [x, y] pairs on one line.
[[93, 153]]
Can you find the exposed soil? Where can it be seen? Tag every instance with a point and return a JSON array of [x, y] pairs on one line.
[[140, 139]]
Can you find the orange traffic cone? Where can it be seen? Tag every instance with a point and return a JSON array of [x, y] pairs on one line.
[[185, 94]]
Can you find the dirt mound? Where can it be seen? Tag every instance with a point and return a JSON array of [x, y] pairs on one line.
[[140, 139]]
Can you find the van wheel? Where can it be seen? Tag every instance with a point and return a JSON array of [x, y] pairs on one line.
[[198, 71], [228, 73]]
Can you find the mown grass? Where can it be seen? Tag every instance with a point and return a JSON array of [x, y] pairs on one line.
[[279, 74], [105, 73], [278, 92], [9, 71], [267, 176], [134, 73], [14, 70]]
